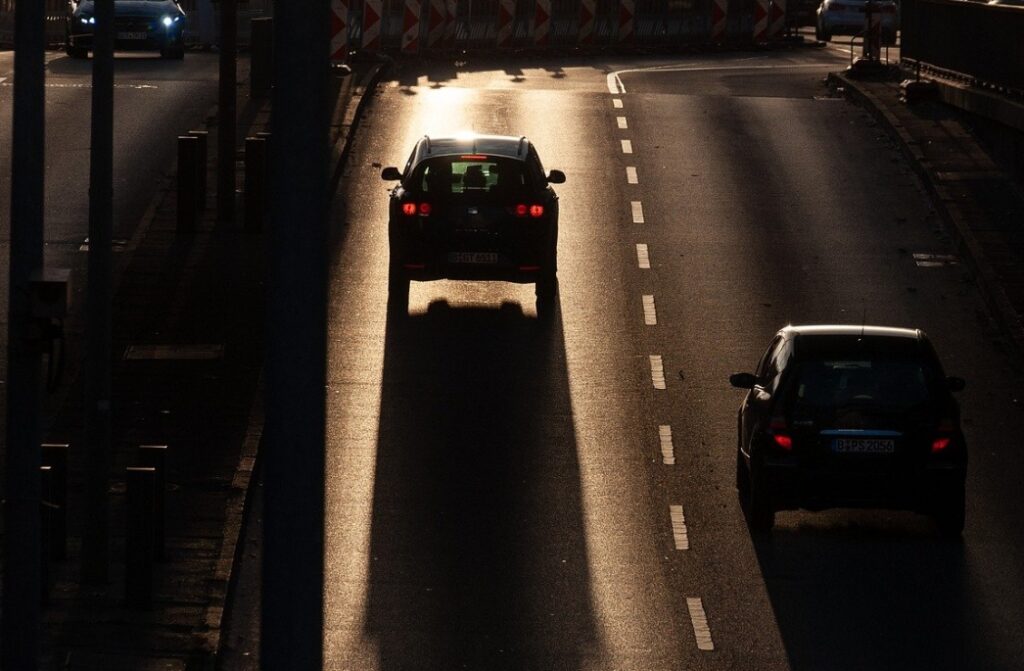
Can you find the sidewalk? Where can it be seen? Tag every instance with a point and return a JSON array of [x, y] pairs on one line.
[[188, 353], [982, 206]]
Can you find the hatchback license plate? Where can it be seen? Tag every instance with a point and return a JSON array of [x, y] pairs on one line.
[[863, 445], [135, 35], [473, 257]]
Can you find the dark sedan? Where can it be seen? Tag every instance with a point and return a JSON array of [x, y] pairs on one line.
[[146, 25], [850, 416]]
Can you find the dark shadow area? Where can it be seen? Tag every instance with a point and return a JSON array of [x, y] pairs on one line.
[[871, 597], [478, 550]]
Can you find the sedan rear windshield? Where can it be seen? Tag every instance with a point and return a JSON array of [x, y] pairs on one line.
[[469, 175]]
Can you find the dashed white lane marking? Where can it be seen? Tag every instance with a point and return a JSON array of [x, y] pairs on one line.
[[615, 86], [637, 207], [627, 147], [3, 79], [643, 257], [699, 620], [668, 450], [621, 121], [617, 103], [631, 175], [657, 371], [650, 313], [679, 527]]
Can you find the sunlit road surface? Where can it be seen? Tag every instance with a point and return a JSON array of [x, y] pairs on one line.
[[505, 495]]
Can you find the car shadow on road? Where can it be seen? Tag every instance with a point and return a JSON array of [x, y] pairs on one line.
[[479, 557], [872, 595]]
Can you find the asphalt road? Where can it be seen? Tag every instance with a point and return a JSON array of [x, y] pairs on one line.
[[499, 492], [155, 101]]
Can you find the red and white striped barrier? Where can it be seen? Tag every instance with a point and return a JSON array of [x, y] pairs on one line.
[[437, 23], [542, 23], [627, 22], [411, 27], [339, 30], [372, 10], [587, 12], [451, 12], [719, 12], [777, 19], [506, 14], [761, 20]]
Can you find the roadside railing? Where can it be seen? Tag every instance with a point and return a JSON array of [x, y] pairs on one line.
[[983, 43]]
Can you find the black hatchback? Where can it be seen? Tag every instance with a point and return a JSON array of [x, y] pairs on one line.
[[850, 416], [149, 25], [473, 207]]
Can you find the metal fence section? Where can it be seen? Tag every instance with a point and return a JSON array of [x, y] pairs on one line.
[[983, 42]]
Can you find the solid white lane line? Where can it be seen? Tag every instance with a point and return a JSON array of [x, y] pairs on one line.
[[617, 103], [621, 121], [679, 527], [615, 86], [643, 257], [668, 450], [631, 177], [627, 147], [699, 620], [657, 371], [650, 313], [638, 211]]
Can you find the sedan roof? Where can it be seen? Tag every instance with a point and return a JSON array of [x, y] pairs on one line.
[[853, 329], [471, 143]]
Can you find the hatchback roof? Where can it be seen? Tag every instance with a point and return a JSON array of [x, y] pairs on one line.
[[471, 143], [853, 329]]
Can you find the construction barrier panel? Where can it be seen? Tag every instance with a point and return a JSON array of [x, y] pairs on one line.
[[627, 13], [761, 10], [777, 19], [411, 27], [339, 30]]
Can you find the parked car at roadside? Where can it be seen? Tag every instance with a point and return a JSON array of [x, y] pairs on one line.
[[848, 17]]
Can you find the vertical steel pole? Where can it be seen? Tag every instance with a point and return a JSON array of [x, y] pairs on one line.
[[293, 562], [226, 106], [95, 533], [19, 628]]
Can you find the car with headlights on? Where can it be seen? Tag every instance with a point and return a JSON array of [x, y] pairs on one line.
[[473, 207], [850, 417], [849, 17], [139, 25]]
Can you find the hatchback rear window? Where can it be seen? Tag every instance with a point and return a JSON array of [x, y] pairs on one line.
[[470, 174]]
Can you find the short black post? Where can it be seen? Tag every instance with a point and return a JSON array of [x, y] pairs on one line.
[[139, 538], [188, 155], [155, 457], [255, 183], [55, 455], [201, 166], [261, 58], [46, 510]]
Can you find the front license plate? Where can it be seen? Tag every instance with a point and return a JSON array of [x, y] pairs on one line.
[[135, 35], [473, 257], [863, 445]]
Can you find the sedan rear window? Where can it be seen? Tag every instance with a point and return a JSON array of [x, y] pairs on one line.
[[470, 174]]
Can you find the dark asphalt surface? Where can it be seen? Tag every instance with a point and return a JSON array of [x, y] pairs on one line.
[[498, 497]]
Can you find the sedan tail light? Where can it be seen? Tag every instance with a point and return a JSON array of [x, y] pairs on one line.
[[779, 431], [943, 439], [411, 209], [523, 210]]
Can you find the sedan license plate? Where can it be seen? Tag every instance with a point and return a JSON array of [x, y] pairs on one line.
[[863, 445], [481, 258], [133, 35]]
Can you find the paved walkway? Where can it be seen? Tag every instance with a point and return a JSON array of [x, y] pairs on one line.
[[188, 349], [982, 206]]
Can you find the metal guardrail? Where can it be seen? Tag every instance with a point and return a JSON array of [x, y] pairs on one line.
[[983, 42]]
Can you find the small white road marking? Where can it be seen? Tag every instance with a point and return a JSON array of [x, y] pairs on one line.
[[679, 527], [657, 371], [627, 147], [934, 260], [668, 450], [643, 257], [617, 103], [699, 620], [638, 211], [621, 121], [3, 79], [615, 86], [631, 175], [650, 314]]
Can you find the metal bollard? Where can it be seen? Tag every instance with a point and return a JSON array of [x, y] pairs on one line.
[[154, 456], [188, 156], [55, 455], [139, 553], [201, 165], [261, 58], [46, 509], [255, 183]]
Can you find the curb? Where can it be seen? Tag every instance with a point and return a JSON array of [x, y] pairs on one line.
[[992, 290]]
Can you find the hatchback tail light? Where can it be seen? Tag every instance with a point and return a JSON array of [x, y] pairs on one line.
[[943, 439], [523, 210], [411, 209], [779, 431]]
